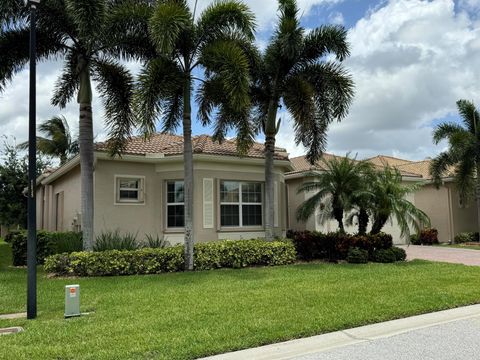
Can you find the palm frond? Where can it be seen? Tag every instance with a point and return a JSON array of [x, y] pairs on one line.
[[230, 63], [221, 16], [127, 30], [115, 85], [68, 82], [445, 131], [159, 79], [326, 39], [169, 20], [88, 16], [470, 115]]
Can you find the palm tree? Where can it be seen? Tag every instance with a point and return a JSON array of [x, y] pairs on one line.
[[58, 142], [90, 36], [184, 46], [294, 71], [336, 189], [388, 201], [463, 155]]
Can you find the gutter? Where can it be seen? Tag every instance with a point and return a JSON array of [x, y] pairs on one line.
[[158, 158]]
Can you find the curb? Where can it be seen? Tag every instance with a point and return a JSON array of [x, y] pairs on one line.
[[299, 347]]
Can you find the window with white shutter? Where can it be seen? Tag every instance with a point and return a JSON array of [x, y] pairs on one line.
[[208, 214]]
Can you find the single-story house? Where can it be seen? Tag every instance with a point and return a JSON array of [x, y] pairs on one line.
[[142, 191], [447, 213]]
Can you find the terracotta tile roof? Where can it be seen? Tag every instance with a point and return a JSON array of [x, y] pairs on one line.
[[169, 144], [383, 160], [301, 164]]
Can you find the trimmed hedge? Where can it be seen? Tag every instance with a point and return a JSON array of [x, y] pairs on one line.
[[48, 243], [335, 246], [425, 237], [211, 255], [357, 256], [465, 237]]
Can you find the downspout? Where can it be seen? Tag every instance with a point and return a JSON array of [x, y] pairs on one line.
[[450, 214]]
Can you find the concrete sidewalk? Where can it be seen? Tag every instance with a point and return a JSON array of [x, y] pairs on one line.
[[366, 341]]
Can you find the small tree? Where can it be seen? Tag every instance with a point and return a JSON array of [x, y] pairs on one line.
[[336, 189], [58, 141], [388, 201], [13, 184]]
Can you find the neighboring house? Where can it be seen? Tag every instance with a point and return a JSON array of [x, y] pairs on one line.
[[447, 214], [142, 191]]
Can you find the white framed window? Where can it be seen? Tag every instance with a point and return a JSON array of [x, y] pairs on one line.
[[129, 189], [175, 204], [241, 204]]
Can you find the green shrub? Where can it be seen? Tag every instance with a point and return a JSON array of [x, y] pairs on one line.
[[400, 254], [211, 255], [357, 256], [48, 243], [415, 239], [114, 240], [11, 234], [429, 236], [333, 246], [384, 256], [465, 237]]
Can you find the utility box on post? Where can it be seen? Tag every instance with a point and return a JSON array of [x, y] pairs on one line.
[[72, 300]]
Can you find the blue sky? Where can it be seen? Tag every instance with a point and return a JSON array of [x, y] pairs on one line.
[[411, 60]]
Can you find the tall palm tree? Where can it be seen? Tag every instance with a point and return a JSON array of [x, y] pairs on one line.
[[388, 201], [336, 189], [186, 45], [58, 143], [463, 154], [295, 71], [90, 36]]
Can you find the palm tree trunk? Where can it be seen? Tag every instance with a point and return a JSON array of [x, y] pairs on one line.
[[270, 133], [188, 175], [362, 221], [338, 215], [378, 224], [85, 139]]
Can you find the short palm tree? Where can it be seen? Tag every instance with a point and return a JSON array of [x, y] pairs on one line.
[[316, 90], [59, 141], [184, 47], [463, 154], [336, 189], [90, 36], [388, 201]]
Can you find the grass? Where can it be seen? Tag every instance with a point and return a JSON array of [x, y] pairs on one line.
[[189, 315]]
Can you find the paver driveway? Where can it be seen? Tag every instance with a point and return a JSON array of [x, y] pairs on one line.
[[435, 253]]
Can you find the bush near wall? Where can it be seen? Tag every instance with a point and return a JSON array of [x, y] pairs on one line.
[[466, 237], [48, 243], [427, 236], [211, 255], [335, 246]]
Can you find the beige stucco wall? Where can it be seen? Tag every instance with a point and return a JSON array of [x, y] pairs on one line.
[[150, 217], [69, 185], [464, 215]]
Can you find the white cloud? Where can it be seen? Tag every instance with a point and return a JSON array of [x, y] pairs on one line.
[[411, 60], [336, 17]]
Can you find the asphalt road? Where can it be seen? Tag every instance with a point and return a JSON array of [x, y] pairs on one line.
[[457, 340]]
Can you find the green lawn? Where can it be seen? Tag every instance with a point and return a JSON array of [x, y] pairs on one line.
[[188, 315]]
